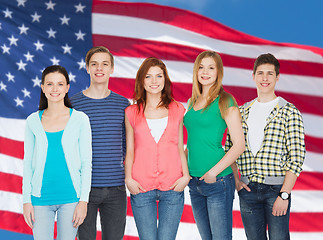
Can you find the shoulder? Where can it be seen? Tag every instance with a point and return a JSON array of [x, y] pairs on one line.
[[120, 98], [79, 115], [76, 96], [131, 110], [32, 117]]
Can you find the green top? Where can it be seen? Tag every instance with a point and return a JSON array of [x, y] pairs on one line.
[[205, 131]]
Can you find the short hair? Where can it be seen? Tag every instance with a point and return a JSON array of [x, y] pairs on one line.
[[98, 49], [267, 58], [43, 103], [140, 92]]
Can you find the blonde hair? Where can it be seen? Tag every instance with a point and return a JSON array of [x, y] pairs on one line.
[[216, 89]]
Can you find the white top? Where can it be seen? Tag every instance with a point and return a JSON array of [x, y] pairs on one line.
[[157, 127], [258, 114]]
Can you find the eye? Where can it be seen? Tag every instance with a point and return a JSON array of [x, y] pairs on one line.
[[160, 76], [212, 68], [200, 67], [147, 76]]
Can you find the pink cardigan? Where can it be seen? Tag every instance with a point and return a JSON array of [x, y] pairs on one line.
[[156, 165]]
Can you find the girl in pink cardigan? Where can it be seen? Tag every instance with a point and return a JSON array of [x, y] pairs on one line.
[[155, 165]]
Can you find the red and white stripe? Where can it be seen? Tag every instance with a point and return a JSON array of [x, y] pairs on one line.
[[134, 31]]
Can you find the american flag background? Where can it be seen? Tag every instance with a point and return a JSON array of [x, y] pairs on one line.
[[37, 33]]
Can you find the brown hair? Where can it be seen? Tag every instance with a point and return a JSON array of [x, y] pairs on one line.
[[216, 89], [140, 92], [43, 103], [267, 58], [98, 49]]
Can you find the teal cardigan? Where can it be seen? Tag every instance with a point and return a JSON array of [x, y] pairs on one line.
[[77, 147]]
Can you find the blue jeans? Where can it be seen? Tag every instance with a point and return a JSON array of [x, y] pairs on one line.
[[45, 219], [170, 209], [212, 206], [112, 205], [256, 212]]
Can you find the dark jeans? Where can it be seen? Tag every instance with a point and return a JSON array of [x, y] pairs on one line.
[[256, 212], [112, 205]]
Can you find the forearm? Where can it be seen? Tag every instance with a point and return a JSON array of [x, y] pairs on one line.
[[289, 182]]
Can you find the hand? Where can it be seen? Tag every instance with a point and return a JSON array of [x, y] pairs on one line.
[[240, 185], [28, 212], [79, 214], [180, 184], [280, 207], [208, 177], [134, 187]]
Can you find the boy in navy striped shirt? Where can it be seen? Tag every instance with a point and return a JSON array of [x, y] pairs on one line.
[[106, 112]]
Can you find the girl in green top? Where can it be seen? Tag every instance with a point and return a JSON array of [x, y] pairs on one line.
[[210, 111]]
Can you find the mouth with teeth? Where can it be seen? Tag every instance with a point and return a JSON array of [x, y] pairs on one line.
[[54, 94], [264, 84], [154, 86], [99, 74], [205, 78]]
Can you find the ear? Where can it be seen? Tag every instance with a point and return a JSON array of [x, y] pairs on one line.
[[87, 69], [277, 77], [112, 70], [68, 88], [42, 87], [253, 77]]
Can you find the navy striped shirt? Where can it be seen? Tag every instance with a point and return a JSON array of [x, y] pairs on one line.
[[108, 136]]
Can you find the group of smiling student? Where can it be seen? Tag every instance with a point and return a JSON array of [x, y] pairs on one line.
[[78, 160]]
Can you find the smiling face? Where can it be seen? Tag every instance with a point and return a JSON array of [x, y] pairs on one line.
[[207, 73], [100, 67], [55, 87], [154, 81], [265, 78]]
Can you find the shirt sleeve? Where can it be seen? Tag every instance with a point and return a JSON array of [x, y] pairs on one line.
[[29, 145], [85, 148], [294, 132]]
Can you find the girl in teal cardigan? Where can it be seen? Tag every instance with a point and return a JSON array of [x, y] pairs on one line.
[[57, 161]]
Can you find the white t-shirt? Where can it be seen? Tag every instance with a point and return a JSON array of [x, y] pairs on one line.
[[258, 114], [157, 127]]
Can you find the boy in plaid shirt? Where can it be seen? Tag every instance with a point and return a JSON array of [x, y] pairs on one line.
[[273, 158]]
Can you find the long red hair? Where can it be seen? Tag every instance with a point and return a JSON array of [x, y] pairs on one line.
[[140, 92]]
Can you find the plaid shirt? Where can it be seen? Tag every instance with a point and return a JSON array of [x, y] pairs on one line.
[[283, 147]]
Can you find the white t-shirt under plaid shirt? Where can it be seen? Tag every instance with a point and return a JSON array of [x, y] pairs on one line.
[[257, 120]]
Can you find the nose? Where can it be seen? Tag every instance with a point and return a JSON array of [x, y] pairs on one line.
[[154, 79]]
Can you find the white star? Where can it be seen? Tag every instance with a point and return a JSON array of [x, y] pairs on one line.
[[21, 2], [7, 13], [0, 25], [29, 57], [23, 29], [81, 64], [5, 49], [10, 77], [80, 35], [50, 5], [79, 7], [36, 81], [36, 17], [54, 61], [71, 77], [39, 46], [21, 65], [67, 49], [19, 102], [51, 33], [3, 87], [26, 93], [13, 40], [64, 20]]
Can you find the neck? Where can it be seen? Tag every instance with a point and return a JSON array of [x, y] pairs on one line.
[[263, 98], [152, 100], [55, 109], [205, 91], [97, 90]]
